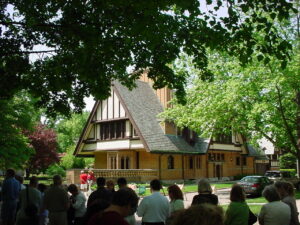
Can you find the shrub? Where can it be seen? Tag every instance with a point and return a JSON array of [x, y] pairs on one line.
[[55, 169], [287, 161]]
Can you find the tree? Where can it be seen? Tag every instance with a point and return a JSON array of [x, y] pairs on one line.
[[256, 101], [68, 133], [88, 44], [43, 141], [17, 115], [69, 130], [287, 161]]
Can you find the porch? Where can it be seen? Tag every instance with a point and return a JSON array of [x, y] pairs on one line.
[[136, 175]]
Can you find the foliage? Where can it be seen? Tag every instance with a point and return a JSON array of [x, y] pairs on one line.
[[55, 169], [256, 101], [70, 161], [43, 141], [69, 130], [84, 45], [287, 161], [16, 115], [291, 172]]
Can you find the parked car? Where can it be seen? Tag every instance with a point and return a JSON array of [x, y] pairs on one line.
[[277, 175], [254, 185]]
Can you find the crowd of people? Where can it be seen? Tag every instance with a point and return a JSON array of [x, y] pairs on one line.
[[37, 204]]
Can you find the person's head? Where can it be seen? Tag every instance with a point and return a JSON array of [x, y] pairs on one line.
[[42, 187], [33, 181], [57, 180], [82, 172], [175, 192], [237, 194], [270, 193], [10, 173], [155, 185], [127, 199], [202, 214], [100, 181], [284, 188], [110, 185], [72, 188], [122, 182], [19, 178], [91, 172], [204, 186]]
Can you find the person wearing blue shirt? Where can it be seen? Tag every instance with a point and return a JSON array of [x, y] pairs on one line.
[[10, 194]]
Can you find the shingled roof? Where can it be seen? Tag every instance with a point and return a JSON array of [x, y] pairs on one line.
[[143, 106]]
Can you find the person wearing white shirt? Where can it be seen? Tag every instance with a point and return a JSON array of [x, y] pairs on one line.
[[154, 209], [275, 212], [78, 201]]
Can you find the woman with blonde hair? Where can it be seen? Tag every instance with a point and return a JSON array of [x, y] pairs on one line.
[[205, 194]]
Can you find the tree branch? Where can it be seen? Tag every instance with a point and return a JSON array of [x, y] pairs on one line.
[[30, 52]]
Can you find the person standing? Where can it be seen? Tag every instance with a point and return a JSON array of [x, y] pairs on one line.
[[154, 209], [90, 179], [124, 203], [176, 198], [78, 203], [56, 201], [29, 196], [101, 195], [122, 183], [10, 194], [287, 195], [275, 212], [238, 211], [83, 180], [205, 194]]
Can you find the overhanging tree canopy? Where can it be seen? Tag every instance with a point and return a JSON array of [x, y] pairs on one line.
[[90, 43]]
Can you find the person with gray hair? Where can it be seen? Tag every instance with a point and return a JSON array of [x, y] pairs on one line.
[[275, 212], [287, 195], [205, 194]]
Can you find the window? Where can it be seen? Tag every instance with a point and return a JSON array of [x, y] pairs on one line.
[[237, 161], [112, 130], [244, 160], [222, 157], [198, 162], [223, 138], [125, 162], [170, 162], [191, 162], [218, 157]]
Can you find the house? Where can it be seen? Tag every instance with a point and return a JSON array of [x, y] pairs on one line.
[[271, 153], [126, 138]]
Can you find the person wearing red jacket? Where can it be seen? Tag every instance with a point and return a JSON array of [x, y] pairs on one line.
[[83, 180]]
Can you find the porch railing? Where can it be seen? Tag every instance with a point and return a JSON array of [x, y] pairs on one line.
[[129, 174]]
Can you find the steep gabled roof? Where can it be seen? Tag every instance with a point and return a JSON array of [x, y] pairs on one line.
[[143, 106]]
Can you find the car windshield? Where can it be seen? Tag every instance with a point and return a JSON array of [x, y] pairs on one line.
[[272, 174], [250, 179]]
